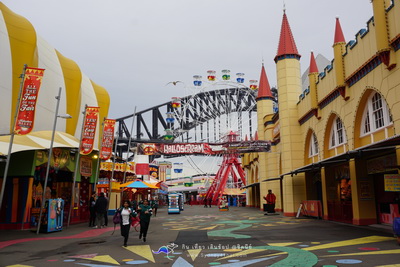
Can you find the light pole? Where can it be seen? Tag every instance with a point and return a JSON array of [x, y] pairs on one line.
[[67, 116]]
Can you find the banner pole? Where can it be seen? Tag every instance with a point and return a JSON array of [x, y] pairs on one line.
[[112, 172], [48, 162], [8, 157], [99, 159], [129, 144], [77, 158]]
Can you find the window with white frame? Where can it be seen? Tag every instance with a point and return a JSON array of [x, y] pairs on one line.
[[338, 136], [376, 115], [313, 149]]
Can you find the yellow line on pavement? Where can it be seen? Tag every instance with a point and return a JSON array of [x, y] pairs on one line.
[[379, 252], [351, 242]]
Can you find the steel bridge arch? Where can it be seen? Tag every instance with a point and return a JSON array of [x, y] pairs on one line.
[[195, 110]]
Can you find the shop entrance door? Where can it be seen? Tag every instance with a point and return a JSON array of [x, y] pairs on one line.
[[84, 199]]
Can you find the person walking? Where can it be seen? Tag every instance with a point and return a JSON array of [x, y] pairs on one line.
[[209, 202], [127, 213], [271, 199], [154, 206], [145, 214], [205, 202], [101, 208], [92, 202]]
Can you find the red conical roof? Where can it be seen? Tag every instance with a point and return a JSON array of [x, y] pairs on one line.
[[313, 64], [339, 37], [264, 90], [256, 136], [287, 45]]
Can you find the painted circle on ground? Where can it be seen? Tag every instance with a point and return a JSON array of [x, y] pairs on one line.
[[177, 253], [370, 249], [233, 260], [127, 260], [333, 251], [304, 246], [169, 257], [214, 263], [69, 260], [349, 261], [232, 250], [137, 262]]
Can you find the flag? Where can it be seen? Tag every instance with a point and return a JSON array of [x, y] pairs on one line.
[[107, 140], [89, 130], [27, 104]]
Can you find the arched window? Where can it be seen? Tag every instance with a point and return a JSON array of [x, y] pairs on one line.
[[376, 115], [338, 136], [313, 149]]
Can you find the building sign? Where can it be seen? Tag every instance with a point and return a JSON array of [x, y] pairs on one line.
[[89, 130], [27, 104], [153, 169], [204, 148], [86, 166], [392, 182]]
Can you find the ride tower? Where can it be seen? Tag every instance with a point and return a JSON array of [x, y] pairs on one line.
[[230, 169]]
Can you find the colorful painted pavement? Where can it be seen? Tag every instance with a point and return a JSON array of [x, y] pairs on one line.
[[207, 237]]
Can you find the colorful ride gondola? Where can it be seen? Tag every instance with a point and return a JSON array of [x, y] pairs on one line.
[[239, 77], [197, 80], [176, 102], [169, 134], [211, 75], [254, 84], [170, 117], [226, 75]]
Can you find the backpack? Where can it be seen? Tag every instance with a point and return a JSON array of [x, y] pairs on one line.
[[117, 218]]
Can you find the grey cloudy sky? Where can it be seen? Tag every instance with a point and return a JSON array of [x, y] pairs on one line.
[[134, 48]]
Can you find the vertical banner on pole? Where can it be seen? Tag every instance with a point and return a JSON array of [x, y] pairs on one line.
[[107, 140], [89, 130], [27, 105]]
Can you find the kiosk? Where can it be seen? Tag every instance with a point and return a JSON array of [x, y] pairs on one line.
[[174, 203]]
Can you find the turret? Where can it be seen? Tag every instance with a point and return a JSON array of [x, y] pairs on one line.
[[382, 33], [291, 140], [265, 101], [339, 46], [312, 77]]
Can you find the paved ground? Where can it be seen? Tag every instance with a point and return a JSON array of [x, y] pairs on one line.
[[205, 237]]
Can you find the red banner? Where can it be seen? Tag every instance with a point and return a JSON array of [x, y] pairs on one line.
[[27, 104], [89, 130], [107, 140]]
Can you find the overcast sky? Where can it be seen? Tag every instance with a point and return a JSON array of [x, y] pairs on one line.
[[134, 48]]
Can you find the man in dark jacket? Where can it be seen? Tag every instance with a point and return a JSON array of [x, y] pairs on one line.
[[101, 208]]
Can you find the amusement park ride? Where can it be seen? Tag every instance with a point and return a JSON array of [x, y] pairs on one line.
[[183, 117]]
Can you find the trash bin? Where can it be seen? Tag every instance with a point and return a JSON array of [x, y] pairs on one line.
[[396, 228], [269, 208]]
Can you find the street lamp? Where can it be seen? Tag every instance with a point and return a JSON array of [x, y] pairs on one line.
[[66, 116]]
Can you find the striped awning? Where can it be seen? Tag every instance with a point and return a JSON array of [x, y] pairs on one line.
[[37, 141]]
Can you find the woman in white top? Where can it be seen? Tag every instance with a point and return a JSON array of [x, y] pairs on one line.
[[126, 218]]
